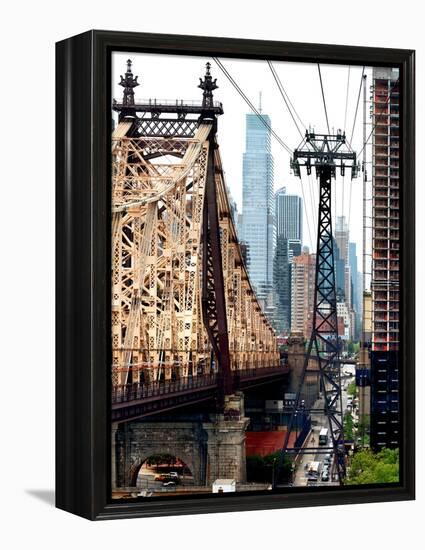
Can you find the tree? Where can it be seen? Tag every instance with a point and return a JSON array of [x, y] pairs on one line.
[[353, 347], [351, 388], [368, 467], [348, 427], [363, 430], [261, 468]]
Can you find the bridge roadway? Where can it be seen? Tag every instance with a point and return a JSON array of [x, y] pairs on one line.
[[139, 400]]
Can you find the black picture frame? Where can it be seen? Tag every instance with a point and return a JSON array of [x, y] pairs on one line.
[[83, 128]]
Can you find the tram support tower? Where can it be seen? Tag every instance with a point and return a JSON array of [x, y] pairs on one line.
[[326, 153]]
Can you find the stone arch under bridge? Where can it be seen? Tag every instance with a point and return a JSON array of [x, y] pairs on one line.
[[136, 441]]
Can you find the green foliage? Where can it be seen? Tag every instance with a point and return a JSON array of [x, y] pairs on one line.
[[368, 467], [260, 468], [363, 431], [353, 347], [348, 427], [351, 388]]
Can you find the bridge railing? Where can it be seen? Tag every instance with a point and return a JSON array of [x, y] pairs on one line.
[[134, 392], [259, 372], [137, 391], [178, 103]]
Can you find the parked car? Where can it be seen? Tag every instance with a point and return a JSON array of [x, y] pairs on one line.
[[160, 477], [169, 476], [325, 474], [169, 484]]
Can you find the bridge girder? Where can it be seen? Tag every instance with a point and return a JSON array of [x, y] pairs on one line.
[[158, 204]]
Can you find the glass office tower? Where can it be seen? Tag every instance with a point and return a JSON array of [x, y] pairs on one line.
[[257, 203], [289, 215]]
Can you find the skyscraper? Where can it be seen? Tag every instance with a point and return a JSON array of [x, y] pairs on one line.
[[288, 215], [257, 202], [385, 419], [282, 284], [286, 250], [288, 222], [302, 299], [339, 274], [341, 238]]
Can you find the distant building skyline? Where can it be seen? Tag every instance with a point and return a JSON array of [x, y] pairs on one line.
[[342, 236], [286, 251], [288, 215], [302, 299], [257, 229]]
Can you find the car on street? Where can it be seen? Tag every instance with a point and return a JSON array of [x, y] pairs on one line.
[[169, 484], [160, 477], [313, 470], [169, 476], [325, 474]]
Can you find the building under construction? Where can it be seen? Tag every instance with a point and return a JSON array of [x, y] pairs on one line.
[[385, 419]]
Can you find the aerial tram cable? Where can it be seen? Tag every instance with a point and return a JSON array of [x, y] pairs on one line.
[[344, 127], [306, 214], [346, 98], [292, 105], [251, 106], [323, 97], [313, 202], [274, 134], [284, 94], [288, 102], [327, 124], [357, 107], [352, 135]]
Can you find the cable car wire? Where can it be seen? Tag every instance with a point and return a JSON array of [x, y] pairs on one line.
[[284, 96], [323, 97], [251, 106]]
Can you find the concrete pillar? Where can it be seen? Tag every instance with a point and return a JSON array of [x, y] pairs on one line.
[[295, 360], [226, 442]]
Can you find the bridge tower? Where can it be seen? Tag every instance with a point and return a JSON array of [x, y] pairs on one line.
[[326, 152], [181, 120], [187, 327]]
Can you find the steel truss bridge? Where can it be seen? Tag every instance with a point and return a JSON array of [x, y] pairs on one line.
[[186, 323]]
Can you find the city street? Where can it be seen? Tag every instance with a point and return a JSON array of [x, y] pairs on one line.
[[151, 479], [317, 423]]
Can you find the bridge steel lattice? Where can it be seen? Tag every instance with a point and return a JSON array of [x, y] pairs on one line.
[[183, 307]]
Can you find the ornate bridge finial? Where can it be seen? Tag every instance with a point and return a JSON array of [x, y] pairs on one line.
[[128, 83], [208, 85]]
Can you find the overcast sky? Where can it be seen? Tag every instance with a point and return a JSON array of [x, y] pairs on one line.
[[177, 77]]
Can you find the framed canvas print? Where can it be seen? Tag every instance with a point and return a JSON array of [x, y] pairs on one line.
[[235, 282]]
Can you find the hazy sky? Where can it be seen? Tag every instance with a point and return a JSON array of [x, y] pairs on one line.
[[177, 77]]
